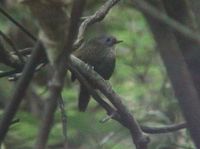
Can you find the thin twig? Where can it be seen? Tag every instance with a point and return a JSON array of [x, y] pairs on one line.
[[147, 8], [164, 129], [15, 76], [98, 16], [8, 40], [8, 59], [19, 91], [8, 73], [63, 116], [28, 33], [15, 121]]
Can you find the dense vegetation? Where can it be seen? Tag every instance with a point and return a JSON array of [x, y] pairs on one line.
[[140, 78]]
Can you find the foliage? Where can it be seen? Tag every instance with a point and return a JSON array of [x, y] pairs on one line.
[[140, 78]]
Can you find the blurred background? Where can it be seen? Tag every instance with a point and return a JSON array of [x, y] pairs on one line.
[[140, 78]]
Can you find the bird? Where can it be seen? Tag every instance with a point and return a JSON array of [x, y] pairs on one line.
[[99, 53]]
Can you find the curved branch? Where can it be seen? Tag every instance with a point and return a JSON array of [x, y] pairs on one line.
[[8, 59], [98, 16], [139, 139], [165, 129], [8, 40], [110, 110]]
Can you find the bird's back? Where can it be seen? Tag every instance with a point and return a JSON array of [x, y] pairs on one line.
[[102, 58]]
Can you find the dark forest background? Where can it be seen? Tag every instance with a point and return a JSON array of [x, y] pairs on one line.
[[149, 75]]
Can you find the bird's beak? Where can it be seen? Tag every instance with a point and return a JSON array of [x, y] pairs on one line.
[[118, 41]]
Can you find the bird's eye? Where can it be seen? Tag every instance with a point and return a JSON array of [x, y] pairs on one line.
[[108, 40]]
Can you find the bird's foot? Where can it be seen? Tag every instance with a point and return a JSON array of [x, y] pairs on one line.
[[89, 66], [108, 117]]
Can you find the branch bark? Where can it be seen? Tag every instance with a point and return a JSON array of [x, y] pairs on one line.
[[178, 73], [181, 11], [59, 64], [139, 139], [98, 16], [19, 91], [149, 9], [165, 129]]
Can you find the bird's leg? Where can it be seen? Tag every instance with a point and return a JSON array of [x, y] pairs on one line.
[[108, 117]]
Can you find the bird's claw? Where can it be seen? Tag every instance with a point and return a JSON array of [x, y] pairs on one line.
[[90, 66], [108, 117]]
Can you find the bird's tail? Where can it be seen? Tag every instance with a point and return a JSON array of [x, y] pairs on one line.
[[84, 98]]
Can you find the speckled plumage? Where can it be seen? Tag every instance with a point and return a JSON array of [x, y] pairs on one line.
[[98, 52]]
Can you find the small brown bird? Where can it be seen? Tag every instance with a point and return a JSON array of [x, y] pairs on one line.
[[98, 52]]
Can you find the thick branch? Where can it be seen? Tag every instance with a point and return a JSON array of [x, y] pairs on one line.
[[139, 139], [110, 110], [57, 81], [115, 115], [19, 91], [179, 75]]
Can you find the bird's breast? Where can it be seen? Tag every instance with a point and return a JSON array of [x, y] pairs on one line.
[[105, 64]]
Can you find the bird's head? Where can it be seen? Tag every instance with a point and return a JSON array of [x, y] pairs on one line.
[[107, 40]]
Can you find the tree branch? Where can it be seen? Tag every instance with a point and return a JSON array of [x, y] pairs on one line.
[[8, 40], [19, 91], [139, 139], [110, 110], [178, 73], [149, 9], [57, 81], [18, 24], [98, 16], [165, 129], [8, 59]]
